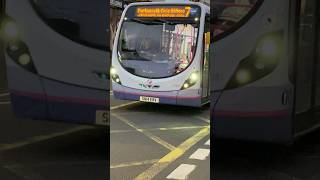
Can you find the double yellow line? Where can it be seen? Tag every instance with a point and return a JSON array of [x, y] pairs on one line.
[[174, 154], [177, 152]]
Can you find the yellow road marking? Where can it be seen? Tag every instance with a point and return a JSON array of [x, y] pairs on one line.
[[173, 155], [158, 129], [207, 120], [135, 163], [145, 132], [36, 139], [124, 105]]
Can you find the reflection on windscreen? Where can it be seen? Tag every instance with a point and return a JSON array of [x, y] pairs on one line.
[[229, 13], [156, 48]]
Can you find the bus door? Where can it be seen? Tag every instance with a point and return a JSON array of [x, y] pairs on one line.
[[206, 60], [305, 61]]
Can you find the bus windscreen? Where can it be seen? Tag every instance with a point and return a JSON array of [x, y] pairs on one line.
[[154, 46]]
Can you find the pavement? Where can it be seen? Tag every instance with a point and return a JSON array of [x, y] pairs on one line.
[[153, 141], [45, 150]]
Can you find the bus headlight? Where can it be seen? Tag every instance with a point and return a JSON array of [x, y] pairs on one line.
[[16, 49], [114, 76], [113, 71], [191, 81], [243, 76], [261, 62], [20, 54], [24, 59]]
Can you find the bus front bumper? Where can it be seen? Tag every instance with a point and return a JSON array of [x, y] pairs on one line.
[[189, 97]]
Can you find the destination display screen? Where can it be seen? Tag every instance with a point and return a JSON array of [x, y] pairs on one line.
[[168, 12], [164, 11]]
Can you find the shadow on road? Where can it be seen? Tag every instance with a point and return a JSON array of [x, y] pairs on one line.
[[235, 160], [167, 109]]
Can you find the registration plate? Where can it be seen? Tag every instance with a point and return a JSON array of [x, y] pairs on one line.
[[149, 99]]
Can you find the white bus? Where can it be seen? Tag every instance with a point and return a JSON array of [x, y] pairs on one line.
[[266, 69], [161, 53], [56, 56]]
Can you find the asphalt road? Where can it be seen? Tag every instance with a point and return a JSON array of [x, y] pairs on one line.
[[146, 140], [42, 150], [152, 141]]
